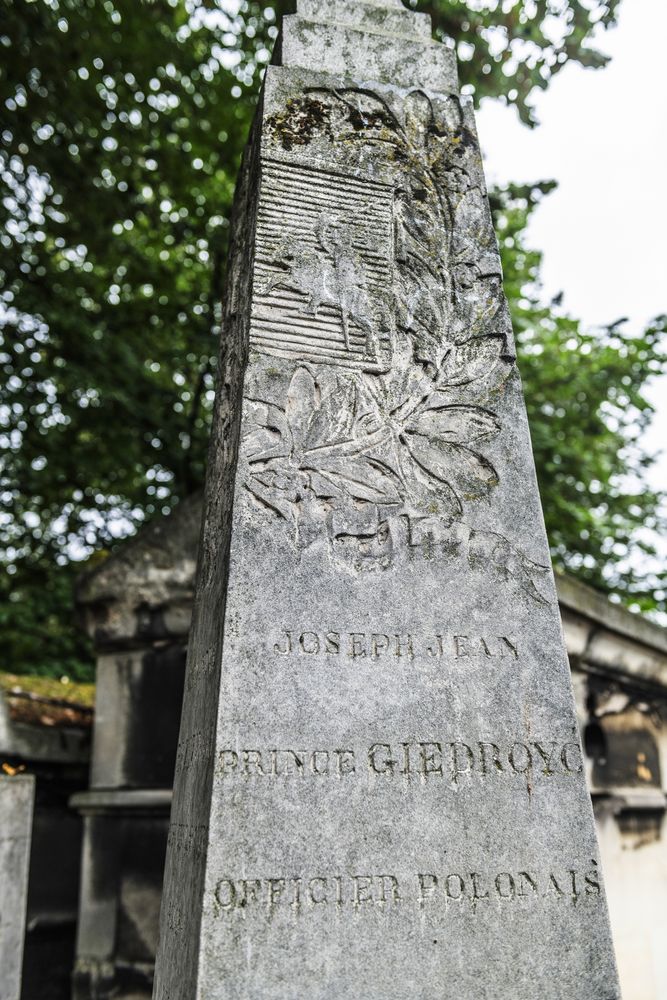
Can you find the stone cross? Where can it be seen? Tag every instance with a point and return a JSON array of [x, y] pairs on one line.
[[17, 796], [379, 790]]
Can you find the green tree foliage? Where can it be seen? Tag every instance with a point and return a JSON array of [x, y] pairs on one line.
[[588, 413], [510, 50], [122, 123]]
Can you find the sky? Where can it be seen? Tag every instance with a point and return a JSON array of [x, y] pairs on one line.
[[603, 137]]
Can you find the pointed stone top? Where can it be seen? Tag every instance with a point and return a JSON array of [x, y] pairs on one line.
[[379, 40]]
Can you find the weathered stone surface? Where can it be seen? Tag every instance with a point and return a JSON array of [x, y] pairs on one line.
[[142, 593], [379, 788], [17, 796], [369, 15], [367, 53]]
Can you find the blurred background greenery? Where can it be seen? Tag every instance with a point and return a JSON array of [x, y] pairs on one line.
[[122, 124]]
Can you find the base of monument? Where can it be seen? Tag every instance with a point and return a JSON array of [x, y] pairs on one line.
[[92, 980]]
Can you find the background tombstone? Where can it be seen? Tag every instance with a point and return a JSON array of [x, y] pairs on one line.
[[136, 608], [17, 796], [388, 798], [50, 737]]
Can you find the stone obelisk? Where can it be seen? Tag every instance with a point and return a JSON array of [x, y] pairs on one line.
[[379, 790]]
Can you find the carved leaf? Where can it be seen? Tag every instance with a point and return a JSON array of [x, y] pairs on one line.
[[455, 424], [489, 549], [470, 474], [418, 112], [368, 110], [268, 434], [270, 498], [283, 480], [259, 413], [301, 404], [262, 444], [476, 307], [471, 360], [323, 486], [317, 458], [368, 423], [363, 478], [405, 385], [452, 113], [423, 310], [428, 495], [330, 422]]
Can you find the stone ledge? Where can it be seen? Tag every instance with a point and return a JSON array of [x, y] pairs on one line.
[[368, 16], [111, 800], [365, 54], [592, 604]]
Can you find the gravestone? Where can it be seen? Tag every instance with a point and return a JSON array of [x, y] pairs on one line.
[[17, 795], [379, 788]]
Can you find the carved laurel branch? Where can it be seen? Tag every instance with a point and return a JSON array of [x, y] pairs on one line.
[[350, 451], [345, 455], [343, 439]]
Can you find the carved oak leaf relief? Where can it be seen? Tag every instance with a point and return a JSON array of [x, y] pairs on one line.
[[365, 463]]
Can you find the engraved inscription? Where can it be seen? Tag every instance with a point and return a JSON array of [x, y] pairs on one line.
[[381, 645], [455, 761], [284, 763], [425, 890]]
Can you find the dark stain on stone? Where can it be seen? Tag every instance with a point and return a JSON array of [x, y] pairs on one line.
[[465, 140], [298, 123], [360, 120]]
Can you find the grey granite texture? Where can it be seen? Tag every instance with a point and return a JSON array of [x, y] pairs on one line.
[[367, 54], [379, 789], [368, 15], [17, 795]]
